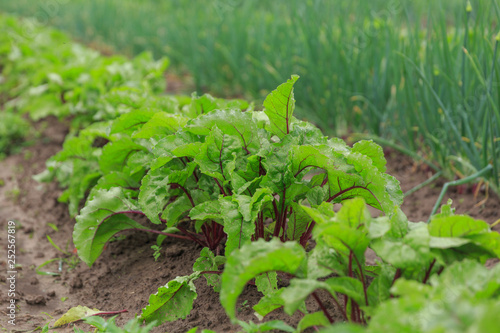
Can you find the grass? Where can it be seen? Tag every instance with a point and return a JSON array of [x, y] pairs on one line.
[[421, 75]]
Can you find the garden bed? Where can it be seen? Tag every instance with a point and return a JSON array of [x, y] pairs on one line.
[[126, 273]]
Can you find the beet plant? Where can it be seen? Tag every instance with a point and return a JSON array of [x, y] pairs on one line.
[[410, 257], [221, 177]]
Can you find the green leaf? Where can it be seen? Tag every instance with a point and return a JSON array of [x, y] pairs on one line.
[[208, 210], [322, 262], [161, 123], [200, 105], [456, 226], [75, 314], [373, 151], [129, 122], [269, 303], [129, 183], [231, 122], [298, 222], [239, 213], [254, 259], [349, 286], [279, 106], [155, 189], [272, 325], [238, 230], [115, 154], [267, 283], [297, 292], [215, 153], [378, 290], [343, 239], [172, 301], [410, 252], [208, 262], [312, 319], [354, 214], [97, 222]]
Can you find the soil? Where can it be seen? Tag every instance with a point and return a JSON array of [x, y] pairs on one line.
[[126, 273]]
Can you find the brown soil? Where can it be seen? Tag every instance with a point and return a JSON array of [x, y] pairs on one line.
[[126, 274]]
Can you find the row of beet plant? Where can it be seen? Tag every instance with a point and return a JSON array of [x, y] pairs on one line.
[[210, 173], [252, 188], [44, 73]]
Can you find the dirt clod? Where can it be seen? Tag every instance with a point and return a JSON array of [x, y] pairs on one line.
[[36, 300], [76, 282]]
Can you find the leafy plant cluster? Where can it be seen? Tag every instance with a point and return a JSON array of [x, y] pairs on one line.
[[427, 277], [45, 73]]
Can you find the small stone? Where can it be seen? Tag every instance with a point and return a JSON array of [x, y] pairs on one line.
[[76, 282]]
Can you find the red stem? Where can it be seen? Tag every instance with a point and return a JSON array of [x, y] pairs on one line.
[[307, 235], [190, 235], [212, 272], [161, 233], [428, 273], [109, 313], [185, 191], [330, 319], [339, 307], [396, 276], [220, 187]]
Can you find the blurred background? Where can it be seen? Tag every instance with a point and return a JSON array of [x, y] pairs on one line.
[[419, 76]]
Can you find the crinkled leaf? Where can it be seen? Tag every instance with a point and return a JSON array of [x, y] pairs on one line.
[[269, 303], [97, 222], [254, 259], [456, 226], [207, 210], [279, 106], [373, 151], [209, 262], [129, 183], [411, 251], [267, 283], [316, 319], [298, 222], [172, 301], [379, 190], [200, 105], [232, 122], [215, 153], [161, 123], [239, 213], [115, 154], [129, 122], [238, 230], [155, 186]]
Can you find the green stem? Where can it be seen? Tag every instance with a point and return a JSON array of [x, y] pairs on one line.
[[425, 183], [466, 180]]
